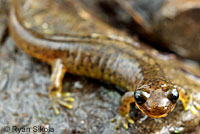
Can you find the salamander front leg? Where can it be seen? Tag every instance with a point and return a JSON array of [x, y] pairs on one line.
[[55, 90], [124, 110], [190, 101]]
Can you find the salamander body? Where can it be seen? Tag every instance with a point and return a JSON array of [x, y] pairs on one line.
[[99, 57]]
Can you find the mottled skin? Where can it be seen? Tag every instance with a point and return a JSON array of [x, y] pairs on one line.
[[99, 57]]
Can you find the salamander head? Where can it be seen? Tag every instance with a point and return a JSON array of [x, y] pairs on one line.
[[156, 102]]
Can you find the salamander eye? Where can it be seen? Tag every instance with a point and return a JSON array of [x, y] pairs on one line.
[[173, 95], [141, 96]]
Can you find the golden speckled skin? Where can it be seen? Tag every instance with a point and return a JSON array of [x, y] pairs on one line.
[[100, 57]]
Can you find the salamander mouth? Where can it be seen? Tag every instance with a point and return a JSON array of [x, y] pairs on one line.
[[157, 116]]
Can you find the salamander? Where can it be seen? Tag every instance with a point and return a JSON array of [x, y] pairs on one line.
[[99, 57]]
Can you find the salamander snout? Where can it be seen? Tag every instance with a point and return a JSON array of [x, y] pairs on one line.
[[156, 103]]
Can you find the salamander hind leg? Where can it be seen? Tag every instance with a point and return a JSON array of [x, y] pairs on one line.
[[190, 101], [124, 110], [56, 95]]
